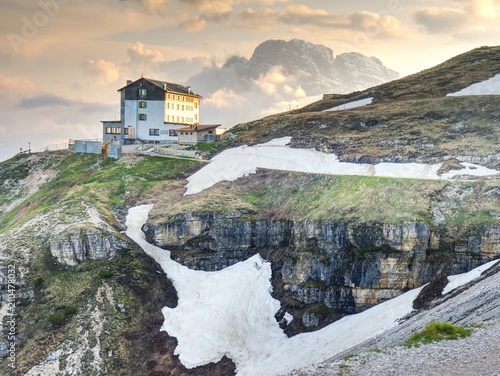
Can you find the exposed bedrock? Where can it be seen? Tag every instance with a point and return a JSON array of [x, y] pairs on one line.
[[74, 245], [326, 268]]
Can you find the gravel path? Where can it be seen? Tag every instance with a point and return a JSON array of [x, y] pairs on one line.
[[477, 355]]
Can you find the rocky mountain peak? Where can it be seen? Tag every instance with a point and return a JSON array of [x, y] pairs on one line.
[[294, 56], [315, 67]]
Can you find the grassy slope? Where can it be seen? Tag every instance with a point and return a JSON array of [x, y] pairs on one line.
[[410, 118], [110, 186], [286, 195]]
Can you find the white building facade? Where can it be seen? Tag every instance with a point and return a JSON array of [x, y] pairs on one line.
[[151, 111]]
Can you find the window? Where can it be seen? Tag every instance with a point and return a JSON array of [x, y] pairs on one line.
[[172, 132], [143, 104], [142, 92], [154, 132], [142, 117], [125, 130], [182, 107], [168, 106], [113, 130], [177, 106]]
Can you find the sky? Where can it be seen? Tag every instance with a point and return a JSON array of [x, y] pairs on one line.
[[62, 61]]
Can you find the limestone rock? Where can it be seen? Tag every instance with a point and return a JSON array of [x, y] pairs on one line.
[[345, 267], [74, 245]]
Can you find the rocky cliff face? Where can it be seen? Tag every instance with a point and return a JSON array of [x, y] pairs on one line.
[[326, 268], [316, 68], [74, 245]]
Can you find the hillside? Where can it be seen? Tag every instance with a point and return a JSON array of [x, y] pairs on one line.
[[410, 119], [281, 73], [293, 223]]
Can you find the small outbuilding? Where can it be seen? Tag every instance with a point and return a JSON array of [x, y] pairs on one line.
[[196, 133]]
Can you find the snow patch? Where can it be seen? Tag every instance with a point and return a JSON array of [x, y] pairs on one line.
[[353, 104], [234, 163], [460, 280], [231, 313], [488, 87]]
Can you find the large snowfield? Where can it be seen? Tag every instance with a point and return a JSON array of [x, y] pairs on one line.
[[234, 163], [231, 313]]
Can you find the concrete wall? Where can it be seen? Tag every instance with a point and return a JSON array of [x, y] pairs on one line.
[[182, 111], [188, 138], [154, 120], [88, 147]]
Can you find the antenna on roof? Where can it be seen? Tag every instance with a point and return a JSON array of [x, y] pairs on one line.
[[142, 72]]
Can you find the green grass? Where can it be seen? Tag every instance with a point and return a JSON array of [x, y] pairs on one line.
[[343, 198], [90, 179], [437, 331]]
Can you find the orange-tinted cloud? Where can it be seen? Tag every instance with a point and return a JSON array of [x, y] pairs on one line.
[[101, 72]]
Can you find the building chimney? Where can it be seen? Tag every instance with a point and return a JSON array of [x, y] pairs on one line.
[[188, 89], [129, 82]]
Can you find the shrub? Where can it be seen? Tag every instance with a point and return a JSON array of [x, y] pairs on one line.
[[106, 273], [71, 310], [56, 318], [38, 281], [437, 331]]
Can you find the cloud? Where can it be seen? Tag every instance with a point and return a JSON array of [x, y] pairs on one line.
[[101, 72], [210, 6], [482, 8], [271, 82], [225, 98], [199, 23], [304, 15], [43, 118], [184, 68], [44, 100], [468, 17], [139, 55], [195, 24], [440, 20], [486, 8], [376, 25], [256, 19], [15, 86], [151, 6]]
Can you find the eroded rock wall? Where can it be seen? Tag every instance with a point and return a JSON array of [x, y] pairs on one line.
[[345, 267]]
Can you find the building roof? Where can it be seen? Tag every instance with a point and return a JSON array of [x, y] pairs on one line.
[[168, 87], [199, 127]]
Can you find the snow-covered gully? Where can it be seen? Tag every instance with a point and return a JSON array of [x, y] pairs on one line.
[[231, 312]]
